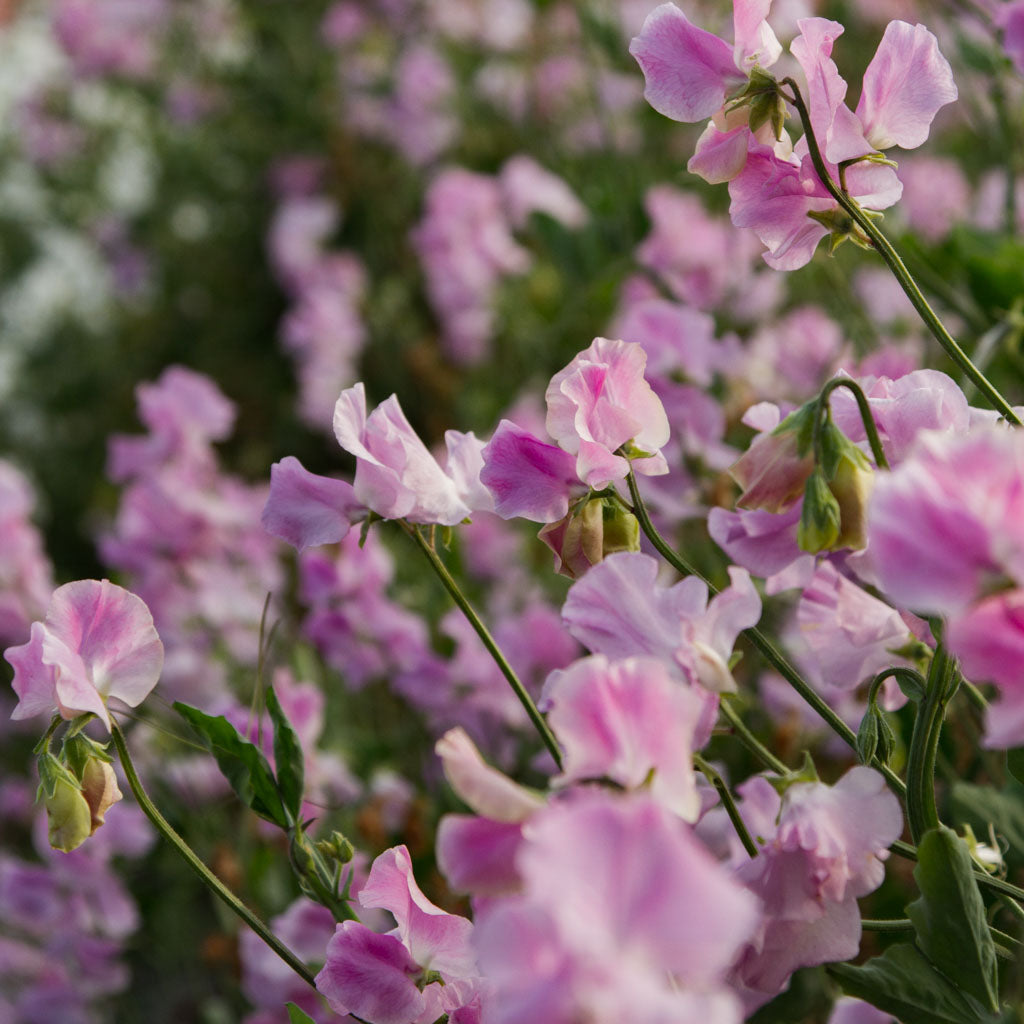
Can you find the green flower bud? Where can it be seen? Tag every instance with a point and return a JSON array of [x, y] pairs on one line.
[[820, 518], [589, 533], [67, 810]]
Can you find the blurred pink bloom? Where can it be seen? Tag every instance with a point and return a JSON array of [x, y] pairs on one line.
[[936, 195], [97, 642], [528, 188], [466, 247], [989, 641], [949, 521], [848, 635], [118, 37], [557, 954], [1010, 18], [628, 721], [601, 402], [305, 509]]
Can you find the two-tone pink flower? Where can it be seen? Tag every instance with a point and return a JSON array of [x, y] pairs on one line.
[[96, 644]]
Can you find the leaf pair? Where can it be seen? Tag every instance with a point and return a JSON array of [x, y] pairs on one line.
[[276, 798]]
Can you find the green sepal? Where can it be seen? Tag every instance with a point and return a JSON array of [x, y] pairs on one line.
[[820, 518], [241, 763], [288, 758], [805, 773], [297, 1015], [949, 918], [867, 736]]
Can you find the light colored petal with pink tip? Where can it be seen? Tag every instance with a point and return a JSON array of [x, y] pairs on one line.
[[481, 787], [905, 85], [437, 940], [100, 634], [756, 43], [688, 71]]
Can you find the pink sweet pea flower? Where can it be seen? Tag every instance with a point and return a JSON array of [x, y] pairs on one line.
[[601, 402], [97, 642], [375, 976], [690, 72], [396, 476], [618, 609], [558, 954]]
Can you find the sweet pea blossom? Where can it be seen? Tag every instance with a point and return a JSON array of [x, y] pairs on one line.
[[618, 609], [97, 642], [375, 976], [601, 402]]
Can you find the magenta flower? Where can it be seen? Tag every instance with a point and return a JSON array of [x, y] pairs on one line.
[[599, 403], [396, 476], [97, 642]]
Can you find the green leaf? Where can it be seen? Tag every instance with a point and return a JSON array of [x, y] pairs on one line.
[[288, 758], [241, 763], [949, 918], [297, 1016], [902, 982], [981, 806], [1015, 763]]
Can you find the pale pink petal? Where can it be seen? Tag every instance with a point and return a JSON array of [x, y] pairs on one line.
[[763, 542], [371, 976], [719, 156], [465, 461], [597, 467], [482, 788], [112, 632], [837, 129], [34, 681], [756, 43], [905, 85], [688, 71], [305, 509]]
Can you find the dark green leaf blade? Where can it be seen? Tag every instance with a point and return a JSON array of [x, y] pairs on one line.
[[241, 762], [949, 917], [288, 757], [902, 982]]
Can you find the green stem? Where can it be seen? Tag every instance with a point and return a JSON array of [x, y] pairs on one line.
[[892, 259], [488, 641], [865, 414], [210, 880], [922, 813], [728, 803], [769, 652], [901, 924], [750, 741]]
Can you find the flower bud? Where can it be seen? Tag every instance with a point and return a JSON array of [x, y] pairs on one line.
[[589, 534], [774, 469], [67, 811], [100, 790], [851, 485], [820, 517]]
